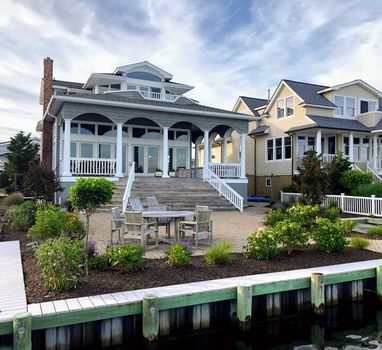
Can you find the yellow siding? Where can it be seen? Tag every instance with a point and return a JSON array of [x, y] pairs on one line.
[[356, 91], [319, 111]]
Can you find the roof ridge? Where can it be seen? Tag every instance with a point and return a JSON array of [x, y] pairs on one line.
[[255, 98], [303, 82]]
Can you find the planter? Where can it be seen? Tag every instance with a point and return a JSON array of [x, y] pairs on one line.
[[171, 173], [158, 174]]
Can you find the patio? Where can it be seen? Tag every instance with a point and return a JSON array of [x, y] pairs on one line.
[[227, 225]]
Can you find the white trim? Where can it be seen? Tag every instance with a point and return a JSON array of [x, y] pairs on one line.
[[315, 106], [272, 100], [235, 181], [274, 160], [353, 82], [74, 178], [266, 182], [360, 99], [285, 107], [345, 106], [130, 67]]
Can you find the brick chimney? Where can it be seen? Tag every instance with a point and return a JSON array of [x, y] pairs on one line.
[[47, 126]]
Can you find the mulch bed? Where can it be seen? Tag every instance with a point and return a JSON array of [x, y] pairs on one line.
[[157, 273]]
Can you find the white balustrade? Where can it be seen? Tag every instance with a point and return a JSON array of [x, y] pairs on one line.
[[327, 158], [92, 166], [129, 185], [226, 170], [158, 96], [224, 189]]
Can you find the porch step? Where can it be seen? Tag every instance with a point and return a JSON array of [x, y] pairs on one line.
[[179, 193]]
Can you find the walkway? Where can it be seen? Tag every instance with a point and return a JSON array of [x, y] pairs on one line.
[[12, 293]]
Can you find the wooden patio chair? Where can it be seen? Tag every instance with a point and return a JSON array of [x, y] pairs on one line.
[[162, 221], [199, 229], [137, 228], [117, 225], [136, 204], [152, 201]]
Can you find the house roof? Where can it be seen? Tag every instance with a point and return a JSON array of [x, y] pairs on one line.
[[260, 130], [253, 103], [331, 123], [309, 93], [349, 83], [68, 84]]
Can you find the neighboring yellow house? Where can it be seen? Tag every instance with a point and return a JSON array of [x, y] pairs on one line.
[[301, 116]]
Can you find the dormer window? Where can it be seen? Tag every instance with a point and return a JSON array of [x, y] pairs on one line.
[[345, 106], [143, 76], [367, 106], [285, 107]]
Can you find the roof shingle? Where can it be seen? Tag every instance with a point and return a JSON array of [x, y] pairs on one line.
[[253, 103]]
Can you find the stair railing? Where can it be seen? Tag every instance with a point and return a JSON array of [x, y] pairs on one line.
[[375, 175], [129, 185], [224, 189]]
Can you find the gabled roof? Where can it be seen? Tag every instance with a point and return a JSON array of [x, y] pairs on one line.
[[145, 64], [252, 103], [260, 130], [331, 123], [353, 82]]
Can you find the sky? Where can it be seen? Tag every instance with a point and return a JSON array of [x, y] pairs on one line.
[[224, 48]]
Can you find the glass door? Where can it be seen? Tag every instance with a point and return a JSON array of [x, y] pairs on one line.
[[139, 159], [146, 159], [152, 159]]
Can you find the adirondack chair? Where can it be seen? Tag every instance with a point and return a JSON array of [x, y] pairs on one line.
[[117, 224], [137, 228], [200, 228]]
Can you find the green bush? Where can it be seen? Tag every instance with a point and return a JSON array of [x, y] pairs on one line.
[[358, 242], [330, 236], [305, 215], [351, 179], [128, 257], [98, 262], [368, 190], [335, 170], [178, 255], [375, 231], [13, 199], [262, 245], [21, 217], [219, 254], [62, 263], [274, 216], [291, 235], [51, 222], [332, 213]]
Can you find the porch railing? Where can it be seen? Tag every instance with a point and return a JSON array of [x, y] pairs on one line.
[[376, 165], [158, 96], [327, 158], [129, 185], [93, 166], [224, 189], [226, 170], [374, 174]]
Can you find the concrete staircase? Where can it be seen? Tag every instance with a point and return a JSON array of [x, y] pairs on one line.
[[179, 193]]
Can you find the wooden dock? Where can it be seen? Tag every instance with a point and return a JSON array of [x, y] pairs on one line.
[[12, 291]]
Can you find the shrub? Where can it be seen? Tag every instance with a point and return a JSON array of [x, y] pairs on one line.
[[220, 253], [333, 214], [375, 231], [358, 242], [128, 257], [21, 217], [329, 236], [98, 262], [291, 235], [178, 254], [62, 263], [13, 199], [262, 245], [274, 216], [368, 190], [305, 215], [75, 228], [335, 170], [351, 179]]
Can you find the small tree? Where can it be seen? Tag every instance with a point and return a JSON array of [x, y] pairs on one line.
[[89, 194], [41, 182], [312, 179], [21, 152], [335, 171]]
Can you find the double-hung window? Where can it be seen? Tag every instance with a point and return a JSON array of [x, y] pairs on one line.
[[270, 149], [345, 106], [280, 109], [367, 106], [279, 148], [285, 107]]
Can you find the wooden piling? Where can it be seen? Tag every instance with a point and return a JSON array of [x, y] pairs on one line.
[[205, 316], [150, 317], [50, 339], [164, 322], [116, 331], [22, 331], [317, 291], [244, 306], [379, 281]]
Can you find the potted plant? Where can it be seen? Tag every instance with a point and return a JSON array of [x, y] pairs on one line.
[[171, 172], [158, 172]]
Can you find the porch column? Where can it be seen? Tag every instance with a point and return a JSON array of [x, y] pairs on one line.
[[210, 143], [118, 169], [375, 151], [318, 142], [243, 139], [66, 160], [196, 155], [224, 149], [165, 153], [206, 153], [351, 146]]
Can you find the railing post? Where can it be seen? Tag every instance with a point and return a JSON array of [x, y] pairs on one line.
[[22, 331], [373, 204], [282, 196], [379, 281], [317, 290], [342, 201], [244, 306], [150, 317]]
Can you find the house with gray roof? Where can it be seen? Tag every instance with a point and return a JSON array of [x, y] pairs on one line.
[[301, 116], [136, 120]]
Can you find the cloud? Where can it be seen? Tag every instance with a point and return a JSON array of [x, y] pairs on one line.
[[223, 48]]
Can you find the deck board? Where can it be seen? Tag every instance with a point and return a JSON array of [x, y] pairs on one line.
[[12, 291]]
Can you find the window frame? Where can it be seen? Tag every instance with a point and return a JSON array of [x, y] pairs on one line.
[[285, 112], [344, 110], [367, 100], [268, 182], [274, 152]]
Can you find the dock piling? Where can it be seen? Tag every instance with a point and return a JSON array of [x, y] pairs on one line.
[[244, 306], [22, 331], [317, 293], [150, 317]]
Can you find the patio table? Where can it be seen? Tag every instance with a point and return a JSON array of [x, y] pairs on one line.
[[175, 215]]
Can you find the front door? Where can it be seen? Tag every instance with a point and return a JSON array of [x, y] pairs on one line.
[[146, 159]]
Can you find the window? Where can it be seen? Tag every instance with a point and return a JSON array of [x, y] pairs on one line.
[[268, 182], [346, 146], [105, 130], [115, 87], [143, 76], [171, 134], [279, 148], [285, 107], [365, 150], [304, 144], [367, 106], [138, 132], [73, 149], [182, 136], [288, 147], [269, 149], [339, 102], [87, 129], [86, 150], [152, 134], [345, 106], [73, 128], [157, 90], [310, 143], [350, 106], [104, 151]]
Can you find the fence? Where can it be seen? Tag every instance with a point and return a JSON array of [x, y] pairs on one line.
[[348, 204]]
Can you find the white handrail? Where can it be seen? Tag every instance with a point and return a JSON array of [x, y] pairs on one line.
[[376, 177], [129, 185], [226, 170], [224, 190], [356, 167]]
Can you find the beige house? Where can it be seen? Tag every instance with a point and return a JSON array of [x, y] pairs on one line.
[[301, 116]]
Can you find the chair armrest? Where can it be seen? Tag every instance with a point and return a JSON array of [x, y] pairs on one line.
[[187, 223]]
